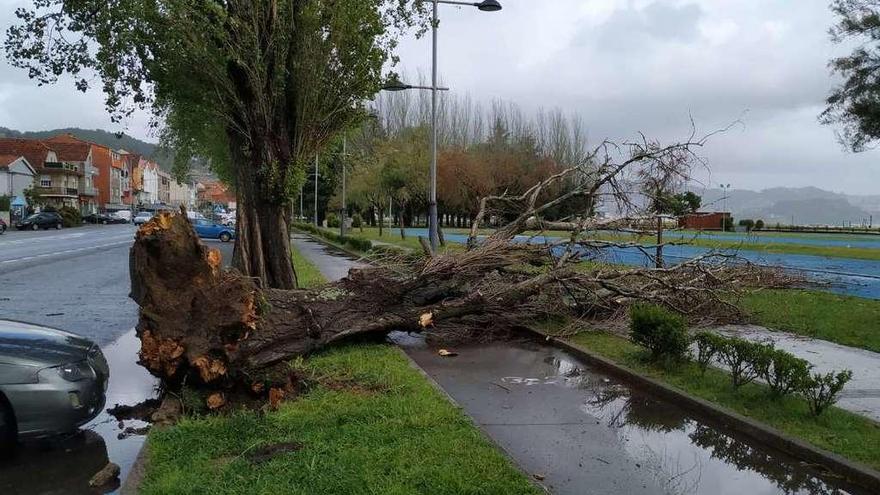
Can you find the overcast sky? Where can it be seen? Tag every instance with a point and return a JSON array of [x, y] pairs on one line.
[[623, 65]]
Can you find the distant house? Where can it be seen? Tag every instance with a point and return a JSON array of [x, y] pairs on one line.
[[215, 193], [704, 221], [16, 175], [57, 181], [182, 193]]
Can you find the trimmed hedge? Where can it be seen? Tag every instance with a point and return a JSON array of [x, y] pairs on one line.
[[664, 335], [355, 243]]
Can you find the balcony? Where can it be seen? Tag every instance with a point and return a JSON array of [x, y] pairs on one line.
[[55, 192], [61, 168], [88, 191]]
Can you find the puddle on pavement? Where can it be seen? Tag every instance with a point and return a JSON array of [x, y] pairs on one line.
[[65, 466], [583, 430]]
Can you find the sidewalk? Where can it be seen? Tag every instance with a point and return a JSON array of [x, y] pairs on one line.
[[861, 395]]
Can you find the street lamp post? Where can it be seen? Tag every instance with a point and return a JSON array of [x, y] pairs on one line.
[[316, 189], [344, 210], [725, 188], [485, 6]]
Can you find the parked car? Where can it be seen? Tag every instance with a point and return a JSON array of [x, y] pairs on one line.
[[51, 382], [207, 229], [42, 220], [228, 219], [96, 218], [142, 218], [124, 215], [3, 226]]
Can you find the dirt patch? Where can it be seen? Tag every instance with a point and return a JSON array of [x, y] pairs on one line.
[[267, 452], [142, 411]]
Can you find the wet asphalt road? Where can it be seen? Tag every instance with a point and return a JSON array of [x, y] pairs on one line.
[[73, 279], [77, 280]]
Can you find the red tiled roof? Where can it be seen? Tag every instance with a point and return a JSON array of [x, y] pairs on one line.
[[5, 160], [70, 152], [34, 151]]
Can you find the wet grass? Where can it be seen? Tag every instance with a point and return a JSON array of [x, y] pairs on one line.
[[848, 434], [403, 438], [846, 320], [370, 424], [307, 274], [392, 236]]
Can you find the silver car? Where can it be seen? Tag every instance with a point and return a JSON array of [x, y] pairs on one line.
[[51, 382]]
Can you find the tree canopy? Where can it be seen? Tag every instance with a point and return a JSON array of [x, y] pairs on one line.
[[258, 86], [855, 104]]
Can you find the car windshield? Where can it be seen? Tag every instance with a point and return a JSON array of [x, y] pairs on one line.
[[32, 217]]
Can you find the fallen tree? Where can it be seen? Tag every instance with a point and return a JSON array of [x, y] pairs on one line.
[[221, 332]]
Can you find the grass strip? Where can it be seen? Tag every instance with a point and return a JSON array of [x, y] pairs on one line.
[[848, 434], [845, 320]]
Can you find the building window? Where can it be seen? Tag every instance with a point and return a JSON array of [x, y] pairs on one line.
[[45, 181]]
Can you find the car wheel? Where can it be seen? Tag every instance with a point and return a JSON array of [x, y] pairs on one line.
[[58, 226], [2, 229], [35, 227], [225, 237], [8, 430]]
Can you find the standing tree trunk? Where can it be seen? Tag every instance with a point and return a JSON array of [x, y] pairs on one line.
[[262, 242]]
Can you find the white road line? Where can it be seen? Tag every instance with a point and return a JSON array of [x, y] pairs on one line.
[[68, 251]]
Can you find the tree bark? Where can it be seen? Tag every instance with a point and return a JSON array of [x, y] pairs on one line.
[[218, 330]]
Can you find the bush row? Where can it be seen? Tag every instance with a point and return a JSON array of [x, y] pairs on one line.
[[355, 243], [665, 335]]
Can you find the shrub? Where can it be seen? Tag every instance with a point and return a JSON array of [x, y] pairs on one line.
[[748, 223], [661, 331], [821, 390], [709, 344], [727, 224], [357, 222], [759, 225], [70, 217], [5, 203], [333, 220], [785, 373], [746, 360]]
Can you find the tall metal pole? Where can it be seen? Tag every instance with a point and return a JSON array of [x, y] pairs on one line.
[[432, 204], [344, 209], [316, 189]]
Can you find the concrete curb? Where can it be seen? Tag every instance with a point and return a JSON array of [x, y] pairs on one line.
[[857, 474], [132, 483], [479, 428]]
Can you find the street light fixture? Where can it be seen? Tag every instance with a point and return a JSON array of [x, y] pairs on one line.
[[485, 6]]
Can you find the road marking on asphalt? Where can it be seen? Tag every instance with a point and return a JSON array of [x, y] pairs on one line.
[[68, 251]]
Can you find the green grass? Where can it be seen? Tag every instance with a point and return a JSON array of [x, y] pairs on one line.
[[846, 320], [392, 433], [392, 236], [848, 434], [307, 274]]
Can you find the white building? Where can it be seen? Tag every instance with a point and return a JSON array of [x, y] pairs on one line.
[[150, 191], [182, 194], [16, 175]]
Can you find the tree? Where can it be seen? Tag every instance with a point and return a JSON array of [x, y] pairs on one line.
[[256, 86], [855, 104]]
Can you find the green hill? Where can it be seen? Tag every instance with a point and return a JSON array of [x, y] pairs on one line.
[[109, 139]]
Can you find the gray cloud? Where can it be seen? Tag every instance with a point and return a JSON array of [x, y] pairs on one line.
[[624, 66]]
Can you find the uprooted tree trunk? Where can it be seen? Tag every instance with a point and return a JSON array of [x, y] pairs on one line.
[[205, 326]]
